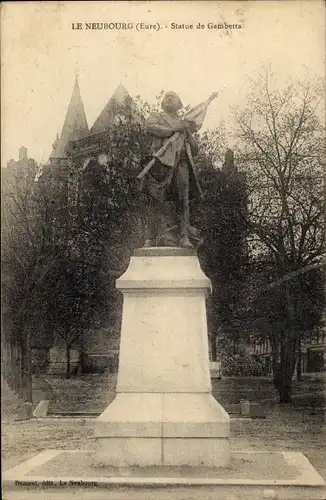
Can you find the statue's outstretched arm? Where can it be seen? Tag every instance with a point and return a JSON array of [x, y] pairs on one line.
[[158, 127]]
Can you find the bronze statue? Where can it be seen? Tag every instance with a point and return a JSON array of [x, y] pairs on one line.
[[170, 174]]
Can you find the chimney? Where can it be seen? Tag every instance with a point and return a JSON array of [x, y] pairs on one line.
[[22, 153], [228, 165]]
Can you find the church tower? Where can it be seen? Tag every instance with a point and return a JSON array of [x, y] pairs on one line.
[[74, 127]]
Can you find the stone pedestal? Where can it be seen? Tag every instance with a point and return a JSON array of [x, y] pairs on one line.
[[164, 413]]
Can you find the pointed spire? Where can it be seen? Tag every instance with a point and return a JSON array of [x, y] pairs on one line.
[[75, 124], [106, 117]]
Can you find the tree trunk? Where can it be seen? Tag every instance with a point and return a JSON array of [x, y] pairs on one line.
[[288, 351], [9, 362], [274, 341], [82, 352], [287, 366], [4, 356], [283, 363], [26, 367], [213, 346], [68, 360], [21, 370], [299, 358], [16, 368]]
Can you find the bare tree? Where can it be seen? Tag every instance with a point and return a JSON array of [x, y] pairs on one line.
[[22, 248], [283, 150]]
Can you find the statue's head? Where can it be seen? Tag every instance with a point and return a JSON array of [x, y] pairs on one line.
[[171, 102]]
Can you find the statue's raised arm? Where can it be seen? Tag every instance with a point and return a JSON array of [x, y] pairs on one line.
[[212, 96], [197, 114]]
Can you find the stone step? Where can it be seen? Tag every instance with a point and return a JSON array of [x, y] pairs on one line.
[[252, 475]]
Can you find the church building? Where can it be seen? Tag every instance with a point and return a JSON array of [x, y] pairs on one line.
[[80, 144]]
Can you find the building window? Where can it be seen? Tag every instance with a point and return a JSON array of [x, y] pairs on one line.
[[120, 119]]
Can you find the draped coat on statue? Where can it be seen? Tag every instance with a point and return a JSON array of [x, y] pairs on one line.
[[168, 149]]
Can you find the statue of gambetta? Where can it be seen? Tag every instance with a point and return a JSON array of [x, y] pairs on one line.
[[169, 174]]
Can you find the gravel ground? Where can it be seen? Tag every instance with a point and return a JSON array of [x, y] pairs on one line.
[[284, 429], [279, 432], [94, 392]]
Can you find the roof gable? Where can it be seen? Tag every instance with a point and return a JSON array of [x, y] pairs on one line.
[[106, 118]]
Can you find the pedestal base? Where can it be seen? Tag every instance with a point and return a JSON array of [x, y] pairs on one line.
[[163, 429]]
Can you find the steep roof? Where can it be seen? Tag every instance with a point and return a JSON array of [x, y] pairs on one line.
[[75, 124], [106, 118]]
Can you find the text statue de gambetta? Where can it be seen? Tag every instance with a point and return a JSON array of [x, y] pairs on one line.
[[169, 174]]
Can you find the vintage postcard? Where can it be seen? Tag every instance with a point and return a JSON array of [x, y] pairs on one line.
[[163, 250]]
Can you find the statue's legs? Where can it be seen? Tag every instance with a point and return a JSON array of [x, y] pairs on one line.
[[182, 203], [181, 189], [153, 224]]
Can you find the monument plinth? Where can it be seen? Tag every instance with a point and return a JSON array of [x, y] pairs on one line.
[[164, 412], [164, 431]]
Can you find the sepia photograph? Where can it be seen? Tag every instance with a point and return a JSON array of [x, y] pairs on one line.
[[163, 322]]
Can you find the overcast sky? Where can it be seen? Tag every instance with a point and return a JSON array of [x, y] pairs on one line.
[[41, 55]]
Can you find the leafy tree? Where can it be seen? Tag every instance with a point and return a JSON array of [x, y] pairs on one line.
[[222, 218]]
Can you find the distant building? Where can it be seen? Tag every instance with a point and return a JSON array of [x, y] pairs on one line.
[[13, 175], [312, 354], [21, 165]]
